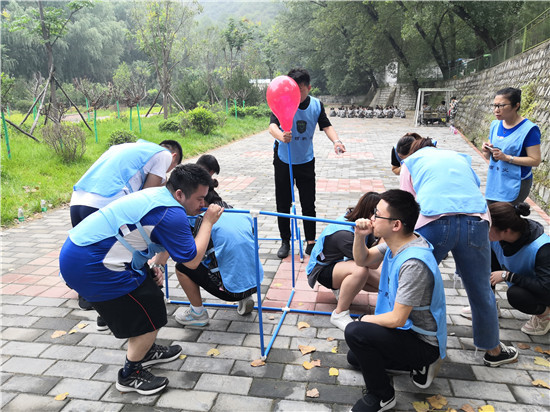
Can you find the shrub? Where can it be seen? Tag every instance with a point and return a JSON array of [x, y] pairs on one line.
[[257, 111], [67, 140], [23, 106], [169, 125], [122, 136], [202, 120]]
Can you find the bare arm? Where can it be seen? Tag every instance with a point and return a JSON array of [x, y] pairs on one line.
[[152, 181], [277, 133], [394, 319], [361, 254], [333, 137], [202, 239]]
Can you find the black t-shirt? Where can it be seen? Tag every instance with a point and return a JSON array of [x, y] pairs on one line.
[[323, 120]]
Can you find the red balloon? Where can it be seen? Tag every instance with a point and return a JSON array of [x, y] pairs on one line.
[[283, 98]]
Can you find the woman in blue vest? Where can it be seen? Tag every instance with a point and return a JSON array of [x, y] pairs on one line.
[[454, 217], [521, 257], [405, 143], [513, 149], [331, 262]]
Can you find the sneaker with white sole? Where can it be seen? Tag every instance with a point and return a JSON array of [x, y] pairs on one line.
[[466, 312], [508, 354], [372, 403], [101, 325], [424, 377], [245, 306], [188, 317], [141, 381], [160, 354], [340, 320], [537, 326]]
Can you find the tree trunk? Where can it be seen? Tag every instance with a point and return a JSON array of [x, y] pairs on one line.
[[480, 31]]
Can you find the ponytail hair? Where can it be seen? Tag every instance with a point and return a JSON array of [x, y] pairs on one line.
[[508, 216], [420, 144]]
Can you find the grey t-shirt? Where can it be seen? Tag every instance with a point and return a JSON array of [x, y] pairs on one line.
[[416, 285]]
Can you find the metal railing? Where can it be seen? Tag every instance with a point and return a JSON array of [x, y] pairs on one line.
[[536, 32]]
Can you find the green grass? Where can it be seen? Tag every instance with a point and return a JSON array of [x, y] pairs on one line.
[[35, 172]]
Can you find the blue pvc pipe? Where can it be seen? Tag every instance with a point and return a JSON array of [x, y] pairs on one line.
[[276, 331], [258, 286]]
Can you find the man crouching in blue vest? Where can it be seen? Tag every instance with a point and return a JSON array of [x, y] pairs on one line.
[[228, 271], [408, 330], [105, 260]]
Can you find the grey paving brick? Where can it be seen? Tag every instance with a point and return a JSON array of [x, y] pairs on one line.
[[237, 385], [8, 309], [108, 373], [31, 366], [227, 402], [179, 334], [456, 371], [271, 388], [321, 345], [335, 393], [21, 334], [281, 342], [519, 377], [350, 377], [299, 373], [81, 388], [64, 352], [130, 399], [517, 407], [39, 385], [205, 364], [79, 405], [40, 301], [465, 356], [293, 331], [194, 348], [193, 400], [178, 380], [68, 339], [531, 395], [269, 370], [248, 327], [404, 383], [239, 352], [14, 299], [482, 390], [54, 324], [222, 338], [29, 402], [286, 356], [6, 398], [50, 312], [19, 321], [68, 369], [96, 340], [294, 406], [107, 356]]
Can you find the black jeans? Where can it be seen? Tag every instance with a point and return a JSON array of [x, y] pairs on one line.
[[526, 301], [374, 348], [304, 176]]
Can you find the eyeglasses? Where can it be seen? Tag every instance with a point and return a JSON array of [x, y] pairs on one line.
[[499, 106], [375, 216]]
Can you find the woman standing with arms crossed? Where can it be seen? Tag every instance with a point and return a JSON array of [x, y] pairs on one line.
[[513, 149]]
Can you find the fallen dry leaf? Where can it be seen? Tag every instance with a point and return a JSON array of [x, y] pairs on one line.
[[72, 331], [523, 346], [213, 352], [303, 325], [333, 372], [437, 401], [541, 383], [316, 362], [540, 350], [257, 362], [541, 361], [334, 349], [307, 365], [451, 410], [330, 339], [306, 349], [81, 325], [467, 408], [486, 408], [277, 285], [271, 317], [183, 356], [421, 406], [58, 333], [312, 393], [62, 396], [300, 304]]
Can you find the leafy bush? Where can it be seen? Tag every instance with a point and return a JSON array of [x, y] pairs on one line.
[[67, 140], [169, 125], [202, 120], [122, 136], [257, 111], [23, 106]]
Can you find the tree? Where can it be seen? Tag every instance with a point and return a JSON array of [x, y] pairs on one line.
[[160, 32]]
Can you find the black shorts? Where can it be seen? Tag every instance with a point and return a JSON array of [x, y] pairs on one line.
[[136, 313], [325, 275], [212, 283]]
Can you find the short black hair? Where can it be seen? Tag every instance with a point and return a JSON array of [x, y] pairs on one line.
[[402, 206], [174, 147], [403, 146], [512, 94], [187, 178], [300, 76], [210, 163]]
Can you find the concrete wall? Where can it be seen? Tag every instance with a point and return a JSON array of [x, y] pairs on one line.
[[476, 92]]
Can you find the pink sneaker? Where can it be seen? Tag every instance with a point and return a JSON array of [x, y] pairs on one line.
[[537, 326]]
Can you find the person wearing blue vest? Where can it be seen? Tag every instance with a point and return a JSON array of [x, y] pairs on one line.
[[332, 265], [123, 169], [521, 257], [408, 330], [405, 143], [310, 113], [512, 150], [105, 260], [454, 218], [228, 271]]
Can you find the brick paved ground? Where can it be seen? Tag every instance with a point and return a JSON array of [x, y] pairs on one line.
[[35, 367]]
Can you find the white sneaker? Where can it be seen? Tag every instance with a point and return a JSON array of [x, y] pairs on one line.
[[245, 306], [537, 326], [467, 311], [340, 320], [188, 317]]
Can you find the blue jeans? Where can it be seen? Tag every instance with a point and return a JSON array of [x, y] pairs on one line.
[[467, 237]]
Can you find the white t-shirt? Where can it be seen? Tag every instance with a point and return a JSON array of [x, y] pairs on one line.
[[157, 165]]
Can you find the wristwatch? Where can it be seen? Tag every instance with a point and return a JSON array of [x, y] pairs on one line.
[[504, 275], [156, 265]]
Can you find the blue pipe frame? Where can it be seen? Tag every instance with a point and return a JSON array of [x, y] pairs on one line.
[[263, 349]]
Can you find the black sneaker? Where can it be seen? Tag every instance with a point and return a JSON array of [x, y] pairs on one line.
[[372, 403], [84, 304], [309, 248], [508, 354], [284, 249], [160, 354], [424, 377], [141, 381], [101, 325]]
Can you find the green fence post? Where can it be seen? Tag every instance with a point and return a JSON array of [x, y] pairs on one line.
[[87, 108], [139, 118], [95, 124], [6, 134], [243, 104], [130, 117], [118, 109], [235, 102]]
